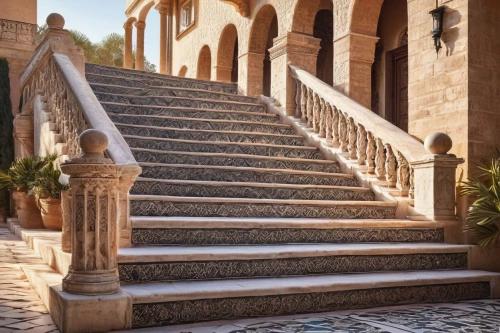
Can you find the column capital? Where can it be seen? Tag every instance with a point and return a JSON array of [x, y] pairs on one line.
[[140, 24], [127, 25], [297, 43], [164, 8]]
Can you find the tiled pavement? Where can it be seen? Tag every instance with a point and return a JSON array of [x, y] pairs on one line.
[[22, 310]]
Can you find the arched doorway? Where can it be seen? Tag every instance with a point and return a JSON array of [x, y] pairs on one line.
[[203, 71], [227, 55], [390, 68], [264, 30]]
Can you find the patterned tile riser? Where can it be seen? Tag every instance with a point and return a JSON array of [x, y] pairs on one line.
[[145, 156], [206, 174], [195, 190], [203, 209], [152, 79], [187, 113], [210, 136], [151, 91], [201, 125], [144, 237], [159, 314], [155, 272], [222, 148]]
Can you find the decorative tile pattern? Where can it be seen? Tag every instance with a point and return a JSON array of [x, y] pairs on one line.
[[290, 266], [282, 236], [179, 102], [163, 92], [235, 175], [190, 113], [157, 314], [203, 125], [203, 190], [236, 161], [211, 136], [200, 209]]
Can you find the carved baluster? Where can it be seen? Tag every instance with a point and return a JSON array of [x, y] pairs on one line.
[[310, 106], [351, 130], [371, 152], [316, 113], [328, 123], [298, 96], [391, 174], [361, 145], [322, 118], [335, 127], [303, 103], [343, 139], [380, 160], [403, 183], [411, 190]]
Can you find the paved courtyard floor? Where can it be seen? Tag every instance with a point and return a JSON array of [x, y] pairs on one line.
[[22, 310]]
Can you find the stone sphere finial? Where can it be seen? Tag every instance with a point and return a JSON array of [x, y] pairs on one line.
[[55, 21], [93, 143], [438, 143]]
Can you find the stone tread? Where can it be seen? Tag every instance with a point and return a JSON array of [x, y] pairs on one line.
[[235, 160], [189, 188], [194, 290]]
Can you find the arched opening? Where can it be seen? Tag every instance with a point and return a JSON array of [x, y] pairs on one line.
[[227, 55], [203, 71], [150, 38], [390, 68], [262, 34], [183, 71], [315, 18]]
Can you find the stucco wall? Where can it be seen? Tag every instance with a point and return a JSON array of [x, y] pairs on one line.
[[19, 10]]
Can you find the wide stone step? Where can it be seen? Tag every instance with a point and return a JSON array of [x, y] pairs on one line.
[[153, 264], [180, 102], [174, 112], [148, 78], [236, 160], [168, 303], [150, 205], [187, 188], [203, 124], [161, 91], [243, 174], [210, 136], [261, 149], [152, 230]]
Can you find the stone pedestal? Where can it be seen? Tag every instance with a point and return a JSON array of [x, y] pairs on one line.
[[251, 69], [435, 187], [94, 207], [296, 49], [353, 59]]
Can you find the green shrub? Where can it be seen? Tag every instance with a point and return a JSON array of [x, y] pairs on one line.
[[23, 172]]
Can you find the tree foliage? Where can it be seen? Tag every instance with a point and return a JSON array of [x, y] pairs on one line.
[[109, 51], [6, 127]]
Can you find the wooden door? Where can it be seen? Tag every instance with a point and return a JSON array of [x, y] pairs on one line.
[[400, 87]]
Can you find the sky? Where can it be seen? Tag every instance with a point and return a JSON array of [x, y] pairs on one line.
[[99, 18]]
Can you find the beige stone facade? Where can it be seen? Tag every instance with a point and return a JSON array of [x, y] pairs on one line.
[[377, 45]]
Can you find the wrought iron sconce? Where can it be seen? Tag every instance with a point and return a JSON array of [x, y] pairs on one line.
[[437, 23]]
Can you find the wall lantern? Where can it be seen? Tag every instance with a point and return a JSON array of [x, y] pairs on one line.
[[437, 23]]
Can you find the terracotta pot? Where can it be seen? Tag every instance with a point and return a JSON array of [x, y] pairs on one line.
[[27, 211], [51, 213]]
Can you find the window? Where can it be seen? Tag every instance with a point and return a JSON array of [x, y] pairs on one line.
[[187, 15]]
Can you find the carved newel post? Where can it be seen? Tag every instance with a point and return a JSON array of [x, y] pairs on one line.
[[435, 179], [93, 208]]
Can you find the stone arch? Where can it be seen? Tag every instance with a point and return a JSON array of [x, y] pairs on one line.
[[183, 71], [227, 54], [365, 16], [203, 70], [305, 13], [145, 10], [264, 29]]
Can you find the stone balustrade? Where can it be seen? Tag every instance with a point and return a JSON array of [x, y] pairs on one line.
[[18, 32], [380, 148]]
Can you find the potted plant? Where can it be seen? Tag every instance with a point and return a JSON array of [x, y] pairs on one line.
[[18, 178], [483, 217], [47, 188]]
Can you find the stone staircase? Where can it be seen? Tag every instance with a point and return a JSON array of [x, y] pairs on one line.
[[235, 216]]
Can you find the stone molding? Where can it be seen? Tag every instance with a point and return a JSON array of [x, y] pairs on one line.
[[17, 32], [242, 6], [293, 43]]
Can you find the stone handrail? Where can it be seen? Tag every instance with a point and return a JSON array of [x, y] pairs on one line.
[[374, 143]]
